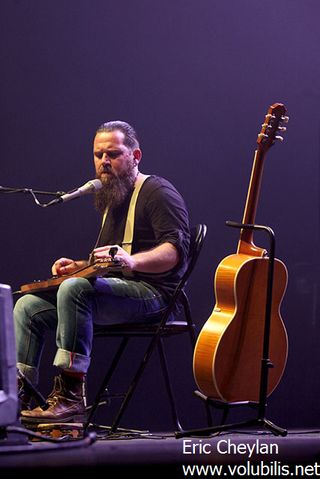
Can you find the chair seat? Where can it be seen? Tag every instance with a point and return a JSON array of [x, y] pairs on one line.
[[141, 329]]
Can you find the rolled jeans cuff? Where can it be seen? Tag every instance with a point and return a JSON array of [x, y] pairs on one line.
[[30, 372], [71, 361]]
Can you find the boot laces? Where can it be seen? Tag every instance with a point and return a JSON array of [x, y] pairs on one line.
[[56, 392]]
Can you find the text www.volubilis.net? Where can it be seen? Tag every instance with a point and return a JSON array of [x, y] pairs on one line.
[[260, 469]]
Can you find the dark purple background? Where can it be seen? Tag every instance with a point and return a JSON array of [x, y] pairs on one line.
[[196, 78]]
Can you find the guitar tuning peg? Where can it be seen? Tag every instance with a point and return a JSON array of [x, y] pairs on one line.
[[262, 135], [278, 137], [285, 119], [282, 128]]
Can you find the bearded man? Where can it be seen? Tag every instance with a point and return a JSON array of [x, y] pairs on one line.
[[145, 229]]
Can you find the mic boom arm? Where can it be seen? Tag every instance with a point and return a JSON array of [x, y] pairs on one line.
[[90, 187]]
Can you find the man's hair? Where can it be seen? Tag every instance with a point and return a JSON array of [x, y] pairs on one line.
[[130, 135]]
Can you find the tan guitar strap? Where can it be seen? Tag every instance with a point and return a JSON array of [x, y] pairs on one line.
[[129, 228], [128, 231]]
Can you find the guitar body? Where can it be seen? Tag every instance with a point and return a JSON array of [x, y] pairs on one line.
[[228, 352]]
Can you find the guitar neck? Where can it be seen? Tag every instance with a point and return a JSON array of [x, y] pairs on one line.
[[266, 138], [246, 244]]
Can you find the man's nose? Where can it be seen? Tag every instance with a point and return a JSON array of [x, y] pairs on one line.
[[105, 159]]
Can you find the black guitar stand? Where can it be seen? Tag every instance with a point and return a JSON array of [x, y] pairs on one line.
[[260, 421]]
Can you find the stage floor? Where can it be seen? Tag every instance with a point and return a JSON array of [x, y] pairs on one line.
[[234, 454]]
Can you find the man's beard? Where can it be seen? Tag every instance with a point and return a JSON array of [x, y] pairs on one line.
[[115, 189]]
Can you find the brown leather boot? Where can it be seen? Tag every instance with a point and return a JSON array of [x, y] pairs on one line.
[[66, 403]]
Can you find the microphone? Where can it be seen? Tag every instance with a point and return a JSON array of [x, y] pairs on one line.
[[90, 187]]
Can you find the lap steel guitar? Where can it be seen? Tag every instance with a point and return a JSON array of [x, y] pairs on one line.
[[97, 269]]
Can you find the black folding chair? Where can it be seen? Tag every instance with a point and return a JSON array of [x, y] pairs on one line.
[[156, 333]]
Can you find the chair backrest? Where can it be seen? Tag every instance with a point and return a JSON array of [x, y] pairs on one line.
[[198, 234]]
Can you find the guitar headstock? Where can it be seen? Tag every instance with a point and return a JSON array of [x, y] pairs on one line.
[[273, 124]]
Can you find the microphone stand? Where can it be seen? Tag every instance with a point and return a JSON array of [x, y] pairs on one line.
[[34, 193]]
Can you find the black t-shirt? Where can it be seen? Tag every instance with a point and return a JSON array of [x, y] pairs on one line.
[[160, 216]]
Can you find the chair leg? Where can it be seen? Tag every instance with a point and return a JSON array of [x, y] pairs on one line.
[[187, 312], [106, 380], [134, 382], [164, 367]]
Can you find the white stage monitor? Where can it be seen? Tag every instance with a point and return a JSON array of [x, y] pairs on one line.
[[8, 371]]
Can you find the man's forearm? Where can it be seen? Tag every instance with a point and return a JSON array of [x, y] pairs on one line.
[[158, 260]]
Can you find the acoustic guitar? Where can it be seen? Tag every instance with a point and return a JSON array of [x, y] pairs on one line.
[[229, 349], [98, 268]]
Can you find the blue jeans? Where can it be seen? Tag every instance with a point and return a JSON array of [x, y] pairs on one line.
[[72, 312]]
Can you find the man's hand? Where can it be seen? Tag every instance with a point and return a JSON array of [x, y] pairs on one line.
[[103, 253], [160, 259], [65, 266]]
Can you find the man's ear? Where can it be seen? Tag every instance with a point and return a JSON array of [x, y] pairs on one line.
[[137, 154]]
